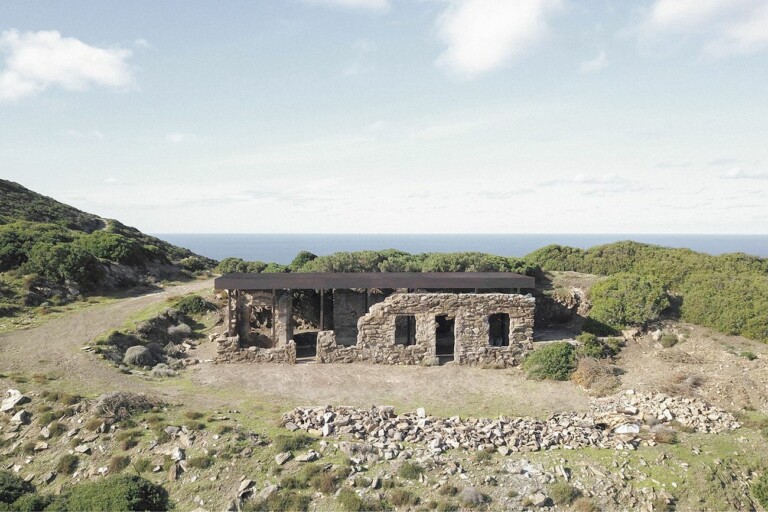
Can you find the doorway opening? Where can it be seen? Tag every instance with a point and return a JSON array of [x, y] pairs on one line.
[[445, 338], [498, 330]]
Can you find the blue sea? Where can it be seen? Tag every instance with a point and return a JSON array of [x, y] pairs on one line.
[[282, 248]]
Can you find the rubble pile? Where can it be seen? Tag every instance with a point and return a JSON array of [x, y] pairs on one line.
[[621, 421]]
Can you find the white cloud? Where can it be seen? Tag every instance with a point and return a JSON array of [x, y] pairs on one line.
[[35, 61], [680, 15], [93, 134], [142, 43], [744, 36], [737, 173], [177, 137], [374, 5], [484, 34], [726, 27], [595, 64]]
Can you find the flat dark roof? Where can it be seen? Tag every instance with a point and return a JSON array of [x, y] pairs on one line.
[[348, 280]]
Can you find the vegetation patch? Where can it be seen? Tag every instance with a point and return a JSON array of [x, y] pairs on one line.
[[12, 487], [563, 493], [67, 464], [555, 361], [410, 470], [289, 443], [115, 493]]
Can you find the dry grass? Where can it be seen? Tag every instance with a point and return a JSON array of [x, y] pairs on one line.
[[681, 384], [123, 405], [596, 375], [679, 356]]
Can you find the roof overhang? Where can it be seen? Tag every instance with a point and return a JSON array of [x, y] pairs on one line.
[[392, 280]]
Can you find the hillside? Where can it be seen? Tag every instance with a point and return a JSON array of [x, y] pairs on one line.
[[52, 253]]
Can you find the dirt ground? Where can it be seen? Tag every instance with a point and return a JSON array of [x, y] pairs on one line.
[[713, 364]]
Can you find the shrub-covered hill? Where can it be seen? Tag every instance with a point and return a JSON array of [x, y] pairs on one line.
[[727, 292], [45, 244]]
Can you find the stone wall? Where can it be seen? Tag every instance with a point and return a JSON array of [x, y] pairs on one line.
[[348, 306], [376, 330], [230, 351]]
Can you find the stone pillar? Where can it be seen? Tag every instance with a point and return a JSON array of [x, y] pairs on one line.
[[284, 317], [348, 307], [233, 312]]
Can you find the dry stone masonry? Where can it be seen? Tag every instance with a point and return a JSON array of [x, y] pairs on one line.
[[379, 317], [469, 313], [622, 421], [402, 328]]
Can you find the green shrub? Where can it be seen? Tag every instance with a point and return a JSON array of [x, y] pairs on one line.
[[626, 299], [117, 493], [281, 500], [141, 465], [117, 463], [402, 498], [410, 471], [67, 464], [668, 340], [483, 456], [115, 247], [593, 347], [32, 502], [748, 355], [287, 443], [12, 487], [555, 361], [759, 489], [202, 462], [63, 261], [350, 501], [563, 493], [194, 305]]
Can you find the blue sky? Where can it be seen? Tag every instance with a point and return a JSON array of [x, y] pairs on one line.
[[392, 116]]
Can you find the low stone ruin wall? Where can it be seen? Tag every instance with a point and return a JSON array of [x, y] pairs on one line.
[[328, 351], [229, 351]]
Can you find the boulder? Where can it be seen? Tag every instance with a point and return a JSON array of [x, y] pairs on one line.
[[14, 398], [21, 418], [178, 454], [538, 499], [139, 355], [282, 458]]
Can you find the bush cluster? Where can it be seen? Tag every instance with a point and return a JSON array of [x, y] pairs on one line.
[[728, 293], [193, 305], [627, 299], [555, 361], [389, 260]]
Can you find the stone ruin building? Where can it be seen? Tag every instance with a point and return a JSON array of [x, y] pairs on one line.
[[471, 318]]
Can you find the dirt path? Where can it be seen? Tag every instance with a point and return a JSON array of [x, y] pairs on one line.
[[53, 348], [444, 390]]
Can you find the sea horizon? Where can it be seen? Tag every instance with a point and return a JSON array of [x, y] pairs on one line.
[[283, 247]]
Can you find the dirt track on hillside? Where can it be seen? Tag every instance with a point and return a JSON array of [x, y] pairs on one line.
[[54, 348]]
